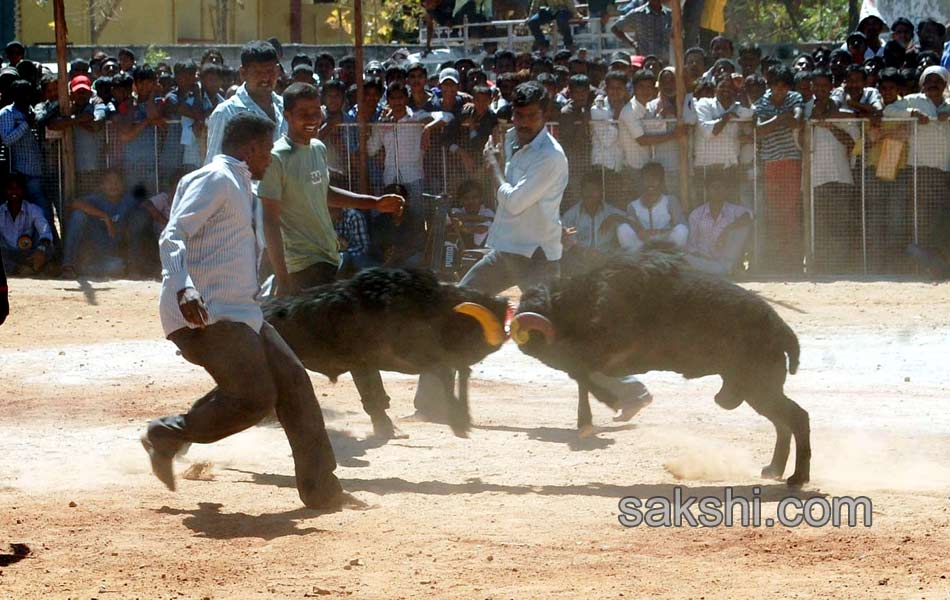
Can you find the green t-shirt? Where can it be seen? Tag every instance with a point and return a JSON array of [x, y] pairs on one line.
[[299, 179]]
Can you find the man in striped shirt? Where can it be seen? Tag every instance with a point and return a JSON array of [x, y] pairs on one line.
[[778, 116], [210, 309]]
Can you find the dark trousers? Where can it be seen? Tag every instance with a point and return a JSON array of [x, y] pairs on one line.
[[369, 383], [255, 373]]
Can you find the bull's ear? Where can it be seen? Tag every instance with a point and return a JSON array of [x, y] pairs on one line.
[[492, 329]]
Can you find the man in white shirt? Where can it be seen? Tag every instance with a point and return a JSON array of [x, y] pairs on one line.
[[718, 230], [654, 216], [26, 241], [931, 135], [717, 135], [210, 309]]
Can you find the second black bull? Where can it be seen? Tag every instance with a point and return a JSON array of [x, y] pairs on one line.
[[654, 313], [393, 320]]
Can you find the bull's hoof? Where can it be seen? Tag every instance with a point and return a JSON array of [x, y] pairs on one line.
[[383, 428], [585, 431], [460, 431], [797, 480], [631, 407], [772, 472]]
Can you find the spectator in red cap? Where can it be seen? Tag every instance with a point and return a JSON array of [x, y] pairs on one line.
[[86, 117]]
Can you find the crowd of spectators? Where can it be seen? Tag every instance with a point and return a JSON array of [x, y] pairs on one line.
[[618, 119]]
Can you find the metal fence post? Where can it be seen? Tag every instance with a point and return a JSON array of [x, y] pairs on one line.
[[864, 220]]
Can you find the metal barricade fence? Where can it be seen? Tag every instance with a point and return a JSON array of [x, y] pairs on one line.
[[838, 208]]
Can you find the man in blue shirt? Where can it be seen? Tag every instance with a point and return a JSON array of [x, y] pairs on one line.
[[99, 228], [16, 131]]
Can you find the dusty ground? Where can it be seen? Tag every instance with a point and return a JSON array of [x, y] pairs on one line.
[[520, 510]]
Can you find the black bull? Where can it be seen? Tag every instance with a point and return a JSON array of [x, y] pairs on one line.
[[653, 313], [393, 320]]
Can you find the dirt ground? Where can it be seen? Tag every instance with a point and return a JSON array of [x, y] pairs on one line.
[[522, 509]]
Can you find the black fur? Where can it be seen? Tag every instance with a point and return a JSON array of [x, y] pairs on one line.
[[652, 312], [386, 319]]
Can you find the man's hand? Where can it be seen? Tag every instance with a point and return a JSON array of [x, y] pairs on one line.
[[611, 222], [568, 236], [490, 153], [391, 203], [193, 307], [922, 118], [110, 226], [38, 259]]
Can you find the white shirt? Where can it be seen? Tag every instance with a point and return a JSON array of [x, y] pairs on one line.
[[933, 139], [869, 96], [588, 233], [528, 213], [240, 102], [402, 141], [830, 161], [665, 214], [209, 244], [30, 219], [667, 153], [605, 134], [631, 128], [722, 149]]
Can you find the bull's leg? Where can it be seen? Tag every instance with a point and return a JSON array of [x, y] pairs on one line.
[[458, 414], [585, 424], [375, 401], [790, 420]]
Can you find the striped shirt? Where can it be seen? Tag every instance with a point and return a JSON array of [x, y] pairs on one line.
[[209, 244], [25, 155], [652, 30], [781, 143]]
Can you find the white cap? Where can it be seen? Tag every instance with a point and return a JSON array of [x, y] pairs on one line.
[[448, 73]]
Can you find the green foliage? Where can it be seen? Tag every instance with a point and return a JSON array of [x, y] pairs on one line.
[[155, 55], [787, 20], [383, 20]]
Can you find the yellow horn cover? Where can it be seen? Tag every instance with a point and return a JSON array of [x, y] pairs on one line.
[[492, 328]]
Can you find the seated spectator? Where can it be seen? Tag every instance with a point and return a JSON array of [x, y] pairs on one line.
[[589, 227], [473, 219], [16, 122], [654, 216], [26, 241], [545, 11], [353, 234], [718, 230], [100, 229], [934, 256], [448, 13]]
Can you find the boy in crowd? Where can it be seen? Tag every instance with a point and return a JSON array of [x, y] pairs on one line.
[[26, 241], [651, 217], [352, 233], [194, 112], [473, 219], [589, 232], [86, 119], [717, 140], [138, 129], [296, 194]]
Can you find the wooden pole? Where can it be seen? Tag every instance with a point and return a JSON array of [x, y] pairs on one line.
[[296, 24], [361, 116], [69, 165], [677, 39]]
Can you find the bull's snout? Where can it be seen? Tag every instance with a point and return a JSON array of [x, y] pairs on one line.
[[492, 329], [524, 323]]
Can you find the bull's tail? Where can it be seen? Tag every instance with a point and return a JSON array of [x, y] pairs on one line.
[[791, 347]]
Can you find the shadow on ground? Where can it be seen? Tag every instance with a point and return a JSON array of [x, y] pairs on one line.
[[209, 522]]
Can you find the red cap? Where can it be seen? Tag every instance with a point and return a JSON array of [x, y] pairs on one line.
[[80, 82], [638, 61]]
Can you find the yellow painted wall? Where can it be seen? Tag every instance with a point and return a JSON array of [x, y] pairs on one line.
[[144, 22]]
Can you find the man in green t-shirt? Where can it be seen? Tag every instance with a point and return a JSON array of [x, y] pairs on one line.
[[301, 242]]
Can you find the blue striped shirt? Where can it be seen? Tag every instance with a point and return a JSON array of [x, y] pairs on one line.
[[209, 244], [15, 131], [781, 143]]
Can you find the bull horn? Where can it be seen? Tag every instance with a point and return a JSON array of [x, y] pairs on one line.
[[492, 329], [524, 323]]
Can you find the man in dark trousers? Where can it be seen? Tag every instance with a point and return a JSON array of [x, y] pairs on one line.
[[4, 296], [210, 309]]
